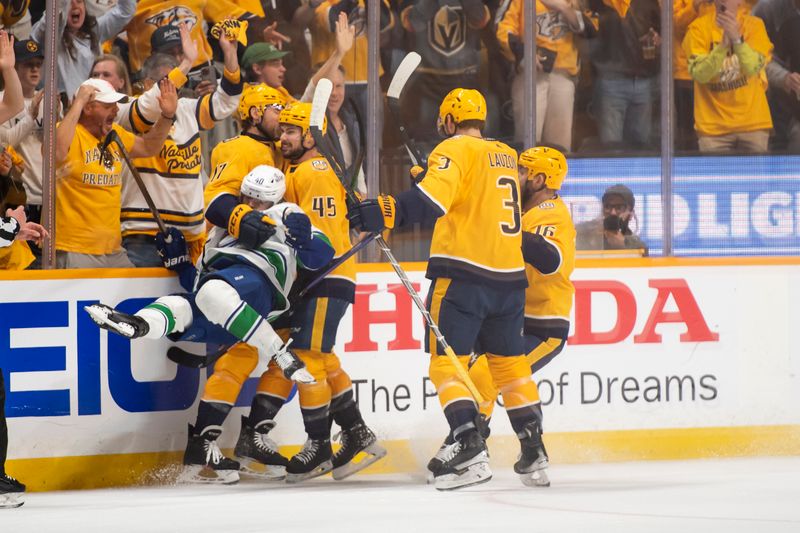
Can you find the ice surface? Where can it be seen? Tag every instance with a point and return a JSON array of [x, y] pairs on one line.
[[728, 495]]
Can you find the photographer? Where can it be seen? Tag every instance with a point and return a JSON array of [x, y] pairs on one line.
[[611, 230]]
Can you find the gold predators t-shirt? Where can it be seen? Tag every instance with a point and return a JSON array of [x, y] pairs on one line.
[[88, 195]]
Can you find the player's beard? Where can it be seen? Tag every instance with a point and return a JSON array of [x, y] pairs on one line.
[[295, 154], [529, 192], [266, 133]]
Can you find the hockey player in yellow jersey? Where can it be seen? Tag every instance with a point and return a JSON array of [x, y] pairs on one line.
[[548, 236], [259, 109], [477, 272], [313, 324]]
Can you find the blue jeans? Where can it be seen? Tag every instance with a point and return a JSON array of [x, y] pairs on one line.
[[624, 110]]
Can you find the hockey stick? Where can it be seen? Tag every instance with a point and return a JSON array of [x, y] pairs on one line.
[[183, 357], [336, 264], [318, 106], [398, 83], [113, 136]]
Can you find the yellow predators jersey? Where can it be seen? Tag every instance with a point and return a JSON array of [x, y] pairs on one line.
[[88, 195], [548, 298], [314, 186], [233, 158], [474, 181]]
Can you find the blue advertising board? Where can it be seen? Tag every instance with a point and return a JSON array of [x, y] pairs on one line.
[[748, 205]]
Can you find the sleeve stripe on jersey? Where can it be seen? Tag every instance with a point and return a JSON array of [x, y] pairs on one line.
[[431, 198]]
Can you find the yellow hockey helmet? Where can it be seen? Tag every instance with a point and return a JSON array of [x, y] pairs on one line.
[[260, 96], [463, 104], [299, 114], [547, 161]]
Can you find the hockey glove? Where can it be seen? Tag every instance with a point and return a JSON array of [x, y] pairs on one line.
[[417, 173], [373, 216], [250, 227], [298, 230], [174, 254]]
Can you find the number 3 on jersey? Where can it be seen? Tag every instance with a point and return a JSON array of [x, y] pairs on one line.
[[512, 204], [324, 206]]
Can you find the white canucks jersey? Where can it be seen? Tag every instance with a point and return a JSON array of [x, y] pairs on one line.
[[276, 259]]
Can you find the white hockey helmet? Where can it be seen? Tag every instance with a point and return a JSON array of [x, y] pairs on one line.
[[264, 183]]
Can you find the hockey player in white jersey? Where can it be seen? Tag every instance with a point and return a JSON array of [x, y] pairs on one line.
[[240, 287]]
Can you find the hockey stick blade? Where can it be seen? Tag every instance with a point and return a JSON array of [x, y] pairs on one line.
[[398, 83], [320, 102], [402, 74], [178, 355]]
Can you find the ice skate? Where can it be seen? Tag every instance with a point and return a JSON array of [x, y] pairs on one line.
[[312, 461], [258, 454], [533, 462], [466, 464], [435, 464], [11, 492], [357, 439], [204, 462], [130, 326], [293, 368]]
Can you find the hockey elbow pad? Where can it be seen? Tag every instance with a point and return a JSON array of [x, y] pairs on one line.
[[250, 227]]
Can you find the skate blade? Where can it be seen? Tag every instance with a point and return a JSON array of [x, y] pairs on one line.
[[322, 469], [254, 469], [100, 317], [203, 475], [474, 475], [372, 453], [11, 500], [537, 478]]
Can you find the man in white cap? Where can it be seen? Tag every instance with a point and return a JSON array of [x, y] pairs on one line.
[[88, 192]]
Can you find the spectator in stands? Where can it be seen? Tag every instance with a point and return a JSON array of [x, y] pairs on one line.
[[787, 48], [611, 230], [344, 130], [79, 38], [24, 131], [626, 58], [152, 14], [685, 12], [17, 255], [112, 69], [323, 42], [284, 27], [263, 63], [557, 64], [166, 40], [446, 33], [782, 21], [88, 191], [174, 177], [728, 50]]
